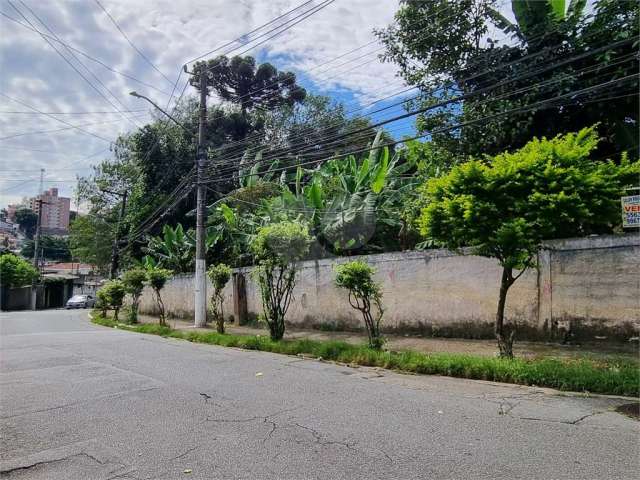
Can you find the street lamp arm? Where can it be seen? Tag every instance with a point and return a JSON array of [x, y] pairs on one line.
[[137, 95]]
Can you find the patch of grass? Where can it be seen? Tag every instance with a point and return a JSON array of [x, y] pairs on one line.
[[616, 376]]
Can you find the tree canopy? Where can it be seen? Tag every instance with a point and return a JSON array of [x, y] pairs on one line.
[[450, 50]]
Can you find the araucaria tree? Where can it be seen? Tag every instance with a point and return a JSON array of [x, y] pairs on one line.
[[277, 248], [505, 207], [134, 284], [157, 278], [219, 276], [364, 295]]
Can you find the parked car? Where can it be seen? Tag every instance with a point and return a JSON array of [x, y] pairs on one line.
[[81, 301]]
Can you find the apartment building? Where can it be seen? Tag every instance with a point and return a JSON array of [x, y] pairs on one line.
[[55, 212]]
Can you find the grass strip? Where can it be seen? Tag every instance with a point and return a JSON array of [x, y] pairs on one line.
[[614, 377]]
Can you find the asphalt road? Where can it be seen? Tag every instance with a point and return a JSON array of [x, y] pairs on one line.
[[85, 402]]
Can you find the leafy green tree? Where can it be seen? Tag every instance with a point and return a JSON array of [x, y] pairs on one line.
[[448, 50], [505, 208], [91, 239], [157, 279], [53, 248], [134, 280], [113, 293], [16, 271], [364, 294], [219, 276], [27, 219], [277, 248]]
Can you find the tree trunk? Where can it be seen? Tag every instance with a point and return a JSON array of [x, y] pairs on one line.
[[219, 316], [504, 337]]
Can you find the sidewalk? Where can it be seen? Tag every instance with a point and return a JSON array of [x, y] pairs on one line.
[[428, 344]]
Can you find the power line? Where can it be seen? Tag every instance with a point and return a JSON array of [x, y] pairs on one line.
[[440, 104], [69, 62], [84, 54], [239, 39], [126, 37]]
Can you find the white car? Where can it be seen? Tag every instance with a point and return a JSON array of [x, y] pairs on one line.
[[81, 301]]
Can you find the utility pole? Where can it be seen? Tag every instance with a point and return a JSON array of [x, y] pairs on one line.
[[200, 287], [201, 262], [115, 255], [36, 242]]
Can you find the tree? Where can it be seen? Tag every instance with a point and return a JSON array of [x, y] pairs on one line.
[[91, 239], [240, 81], [28, 221], [134, 281], [277, 248], [16, 272], [53, 248], [364, 293], [506, 207], [157, 279], [113, 293], [448, 50], [219, 276]]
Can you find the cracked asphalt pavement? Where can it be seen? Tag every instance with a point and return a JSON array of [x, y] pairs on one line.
[[78, 401]]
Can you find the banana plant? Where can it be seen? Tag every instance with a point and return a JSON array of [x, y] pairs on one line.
[[534, 18], [176, 248]]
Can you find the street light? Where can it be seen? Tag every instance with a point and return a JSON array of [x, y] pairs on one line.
[[137, 95]]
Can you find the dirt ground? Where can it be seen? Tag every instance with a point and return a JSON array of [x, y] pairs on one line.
[[432, 345]]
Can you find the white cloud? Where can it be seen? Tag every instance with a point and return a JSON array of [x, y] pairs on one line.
[[169, 32]]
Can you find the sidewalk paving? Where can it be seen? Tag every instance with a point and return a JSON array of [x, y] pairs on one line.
[[429, 344]]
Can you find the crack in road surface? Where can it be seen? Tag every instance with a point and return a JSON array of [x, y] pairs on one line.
[[55, 460]]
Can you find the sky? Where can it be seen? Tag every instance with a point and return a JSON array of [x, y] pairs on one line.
[[168, 34]]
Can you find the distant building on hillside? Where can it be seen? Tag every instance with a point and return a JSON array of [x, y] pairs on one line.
[[55, 212]]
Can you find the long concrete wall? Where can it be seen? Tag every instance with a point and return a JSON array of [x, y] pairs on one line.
[[590, 286]]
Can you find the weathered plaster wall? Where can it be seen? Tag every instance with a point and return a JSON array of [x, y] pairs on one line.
[[590, 285]]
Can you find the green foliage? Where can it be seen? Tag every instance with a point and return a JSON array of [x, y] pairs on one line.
[[240, 81], [134, 281], [157, 279], [364, 293], [219, 276], [16, 272], [281, 243], [112, 295], [506, 207], [448, 49], [614, 377], [90, 241], [53, 248], [27, 219], [102, 302], [176, 249], [277, 247]]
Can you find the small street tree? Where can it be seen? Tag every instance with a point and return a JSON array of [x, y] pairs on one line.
[[113, 292], [277, 248], [157, 278], [16, 271], [219, 276], [134, 284], [364, 293], [506, 207]]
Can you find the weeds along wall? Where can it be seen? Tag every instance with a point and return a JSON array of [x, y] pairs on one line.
[[584, 288]]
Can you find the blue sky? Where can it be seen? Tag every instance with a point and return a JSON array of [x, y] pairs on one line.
[[169, 33]]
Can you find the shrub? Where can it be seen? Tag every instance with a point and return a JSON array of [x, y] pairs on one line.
[[277, 248], [112, 294], [133, 281], [16, 271], [157, 278], [219, 276], [364, 293]]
